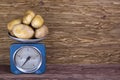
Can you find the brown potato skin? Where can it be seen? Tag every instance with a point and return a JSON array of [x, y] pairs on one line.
[[28, 17], [41, 32], [37, 21], [23, 31], [11, 24]]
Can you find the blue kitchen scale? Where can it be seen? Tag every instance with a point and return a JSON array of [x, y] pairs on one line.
[[27, 56]]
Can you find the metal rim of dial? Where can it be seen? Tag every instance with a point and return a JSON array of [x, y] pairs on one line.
[[20, 68]]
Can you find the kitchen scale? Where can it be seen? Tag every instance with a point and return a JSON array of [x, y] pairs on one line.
[[27, 56]]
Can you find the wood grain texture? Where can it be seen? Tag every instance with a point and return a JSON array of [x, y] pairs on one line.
[[81, 31], [67, 72]]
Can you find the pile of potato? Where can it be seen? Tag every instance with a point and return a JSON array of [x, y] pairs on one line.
[[30, 26]]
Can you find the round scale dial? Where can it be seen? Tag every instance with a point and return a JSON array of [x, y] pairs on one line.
[[27, 59]]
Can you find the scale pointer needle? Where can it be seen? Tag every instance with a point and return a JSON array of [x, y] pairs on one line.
[[28, 58]]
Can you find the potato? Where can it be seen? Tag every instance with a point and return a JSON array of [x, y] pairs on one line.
[[41, 32], [11, 33], [23, 31], [37, 21], [29, 15], [11, 24]]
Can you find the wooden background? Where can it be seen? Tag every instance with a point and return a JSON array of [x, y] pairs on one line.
[[81, 31]]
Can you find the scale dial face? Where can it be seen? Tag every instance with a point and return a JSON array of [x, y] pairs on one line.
[[27, 59]]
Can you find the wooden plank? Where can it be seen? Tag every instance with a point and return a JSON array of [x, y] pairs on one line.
[[67, 72], [81, 31]]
